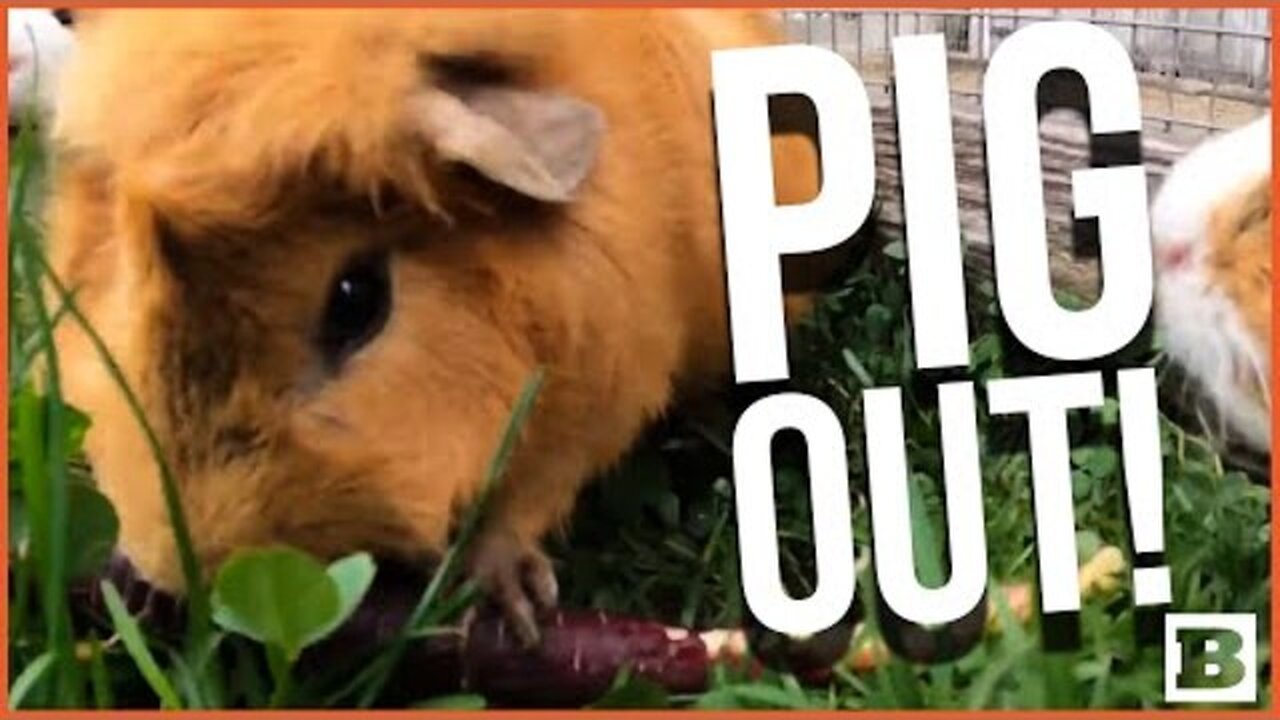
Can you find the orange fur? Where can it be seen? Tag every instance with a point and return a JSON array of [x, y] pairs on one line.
[[202, 209], [1239, 262]]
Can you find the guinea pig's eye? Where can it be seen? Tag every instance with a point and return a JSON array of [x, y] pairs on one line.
[[357, 309]]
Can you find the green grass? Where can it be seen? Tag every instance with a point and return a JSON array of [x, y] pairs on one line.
[[654, 538]]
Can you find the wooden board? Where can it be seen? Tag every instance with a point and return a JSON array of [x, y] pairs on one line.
[[1064, 147]]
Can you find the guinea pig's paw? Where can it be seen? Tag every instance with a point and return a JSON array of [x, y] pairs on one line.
[[515, 575]]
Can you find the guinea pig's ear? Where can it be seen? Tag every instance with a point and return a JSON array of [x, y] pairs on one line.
[[540, 143]]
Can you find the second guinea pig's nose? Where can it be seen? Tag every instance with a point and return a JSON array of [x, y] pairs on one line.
[[1173, 256]]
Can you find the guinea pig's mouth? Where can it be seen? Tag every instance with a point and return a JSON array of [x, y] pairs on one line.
[[150, 605], [379, 618]]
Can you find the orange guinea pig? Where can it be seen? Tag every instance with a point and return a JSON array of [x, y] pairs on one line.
[[329, 248]]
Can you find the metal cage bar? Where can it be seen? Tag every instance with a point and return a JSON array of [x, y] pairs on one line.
[[1200, 72]]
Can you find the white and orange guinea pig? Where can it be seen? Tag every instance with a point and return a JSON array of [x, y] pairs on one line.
[[329, 248], [1211, 228], [39, 44]]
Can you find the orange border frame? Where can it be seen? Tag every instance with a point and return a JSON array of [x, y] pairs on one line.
[[1273, 711]]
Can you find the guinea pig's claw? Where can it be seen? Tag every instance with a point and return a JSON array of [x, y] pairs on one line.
[[519, 579], [540, 578], [520, 615]]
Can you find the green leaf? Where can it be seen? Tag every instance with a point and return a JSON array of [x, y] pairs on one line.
[[985, 352], [1082, 484], [896, 250], [879, 319], [1110, 412], [352, 575], [280, 597], [92, 530], [1099, 461]]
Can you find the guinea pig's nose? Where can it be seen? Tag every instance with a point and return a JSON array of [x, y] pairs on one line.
[[1172, 256]]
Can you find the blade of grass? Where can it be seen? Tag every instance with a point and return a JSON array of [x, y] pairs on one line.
[[984, 688], [100, 681], [423, 613], [26, 351], [32, 674], [198, 618], [928, 553], [54, 590], [54, 560], [1016, 647], [199, 625], [30, 451], [450, 607], [127, 628], [188, 670], [21, 587]]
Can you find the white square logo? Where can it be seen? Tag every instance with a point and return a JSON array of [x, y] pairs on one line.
[[1210, 657]]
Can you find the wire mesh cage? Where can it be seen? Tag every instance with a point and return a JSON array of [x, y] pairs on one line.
[[1200, 70]]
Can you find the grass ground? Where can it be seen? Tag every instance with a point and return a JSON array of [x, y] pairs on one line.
[[655, 538]]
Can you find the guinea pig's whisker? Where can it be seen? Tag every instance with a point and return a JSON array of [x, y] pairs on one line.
[[1260, 378]]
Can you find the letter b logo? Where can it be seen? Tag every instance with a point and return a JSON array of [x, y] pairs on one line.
[[1210, 657]]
